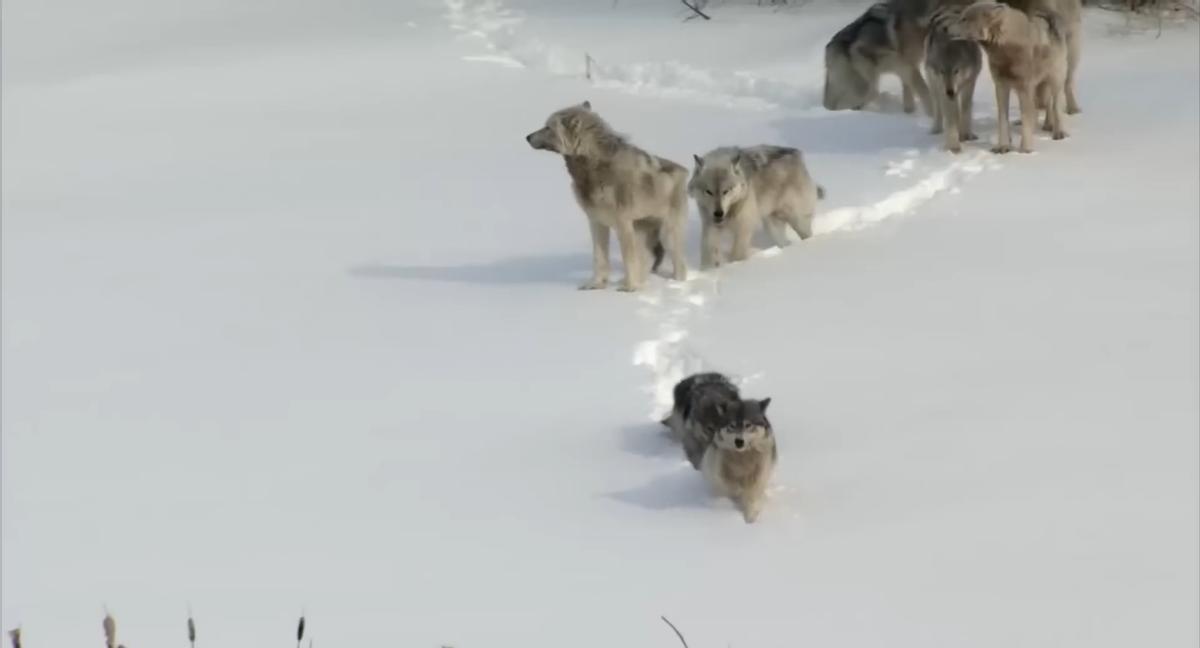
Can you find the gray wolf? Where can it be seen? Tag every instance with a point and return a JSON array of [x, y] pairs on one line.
[[889, 37], [727, 438], [1070, 15], [743, 188], [952, 66], [619, 187], [703, 403], [1027, 54]]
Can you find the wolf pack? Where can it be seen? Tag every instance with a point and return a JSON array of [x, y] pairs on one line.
[[1032, 48]]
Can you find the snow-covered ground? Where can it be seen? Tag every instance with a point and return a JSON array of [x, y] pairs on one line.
[[289, 324]]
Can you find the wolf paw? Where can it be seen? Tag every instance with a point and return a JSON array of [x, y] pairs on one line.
[[594, 284], [1074, 110], [1059, 135], [1001, 149], [1025, 149], [968, 137], [957, 148]]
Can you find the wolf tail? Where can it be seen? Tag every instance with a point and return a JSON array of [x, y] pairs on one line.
[[820, 192], [654, 244], [659, 252]]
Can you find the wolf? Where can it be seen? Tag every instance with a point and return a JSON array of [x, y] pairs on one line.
[[1070, 20], [889, 37], [743, 188], [726, 437], [743, 454], [952, 66], [1026, 53], [703, 405], [619, 187]]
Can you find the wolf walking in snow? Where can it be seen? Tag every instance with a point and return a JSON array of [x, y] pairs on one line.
[[727, 438], [952, 65], [1026, 53], [740, 189], [1070, 22], [888, 38], [619, 187]]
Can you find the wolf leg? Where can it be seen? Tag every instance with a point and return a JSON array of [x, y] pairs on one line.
[[776, 229], [939, 111], [1072, 62], [1003, 137], [802, 224], [631, 254], [710, 246], [600, 237], [953, 118], [1028, 104], [913, 81], [966, 116], [674, 238], [743, 232]]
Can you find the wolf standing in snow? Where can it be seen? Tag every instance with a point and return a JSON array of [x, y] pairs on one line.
[[727, 438], [742, 189], [889, 37], [619, 187], [952, 66], [1026, 53]]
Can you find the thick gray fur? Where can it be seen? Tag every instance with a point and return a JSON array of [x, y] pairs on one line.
[[728, 438], [620, 187], [742, 189], [1026, 54], [888, 38], [952, 66]]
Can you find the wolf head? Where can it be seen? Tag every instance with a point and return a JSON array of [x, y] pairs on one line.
[[851, 73], [747, 427], [575, 131], [845, 88], [716, 184], [982, 21]]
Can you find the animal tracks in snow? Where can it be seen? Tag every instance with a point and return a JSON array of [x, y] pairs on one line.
[[496, 28], [671, 307]]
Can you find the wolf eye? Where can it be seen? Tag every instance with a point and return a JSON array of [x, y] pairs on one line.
[[724, 192], [708, 192]]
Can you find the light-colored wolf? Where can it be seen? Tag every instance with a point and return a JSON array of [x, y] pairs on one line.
[[619, 187], [1070, 20], [1026, 53], [952, 66], [889, 37], [744, 188]]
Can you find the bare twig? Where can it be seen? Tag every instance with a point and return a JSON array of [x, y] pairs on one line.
[[191, 630], [110, 630], [587, 66], [300, 632], [696, 9], [677, 632], [15, 635]]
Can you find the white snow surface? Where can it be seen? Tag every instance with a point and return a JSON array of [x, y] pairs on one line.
[[289, 326]]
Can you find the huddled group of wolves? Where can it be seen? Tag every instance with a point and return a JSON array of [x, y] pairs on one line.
[[1032, 48]]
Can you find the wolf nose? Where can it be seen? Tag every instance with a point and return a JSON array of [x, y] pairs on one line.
[[718, 215], [529, 138], [738, 443]]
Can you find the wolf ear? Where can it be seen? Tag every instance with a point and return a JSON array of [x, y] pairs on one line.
[[587, 105], [762, 404], [699, 160], [737, 160], [719, 408]]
